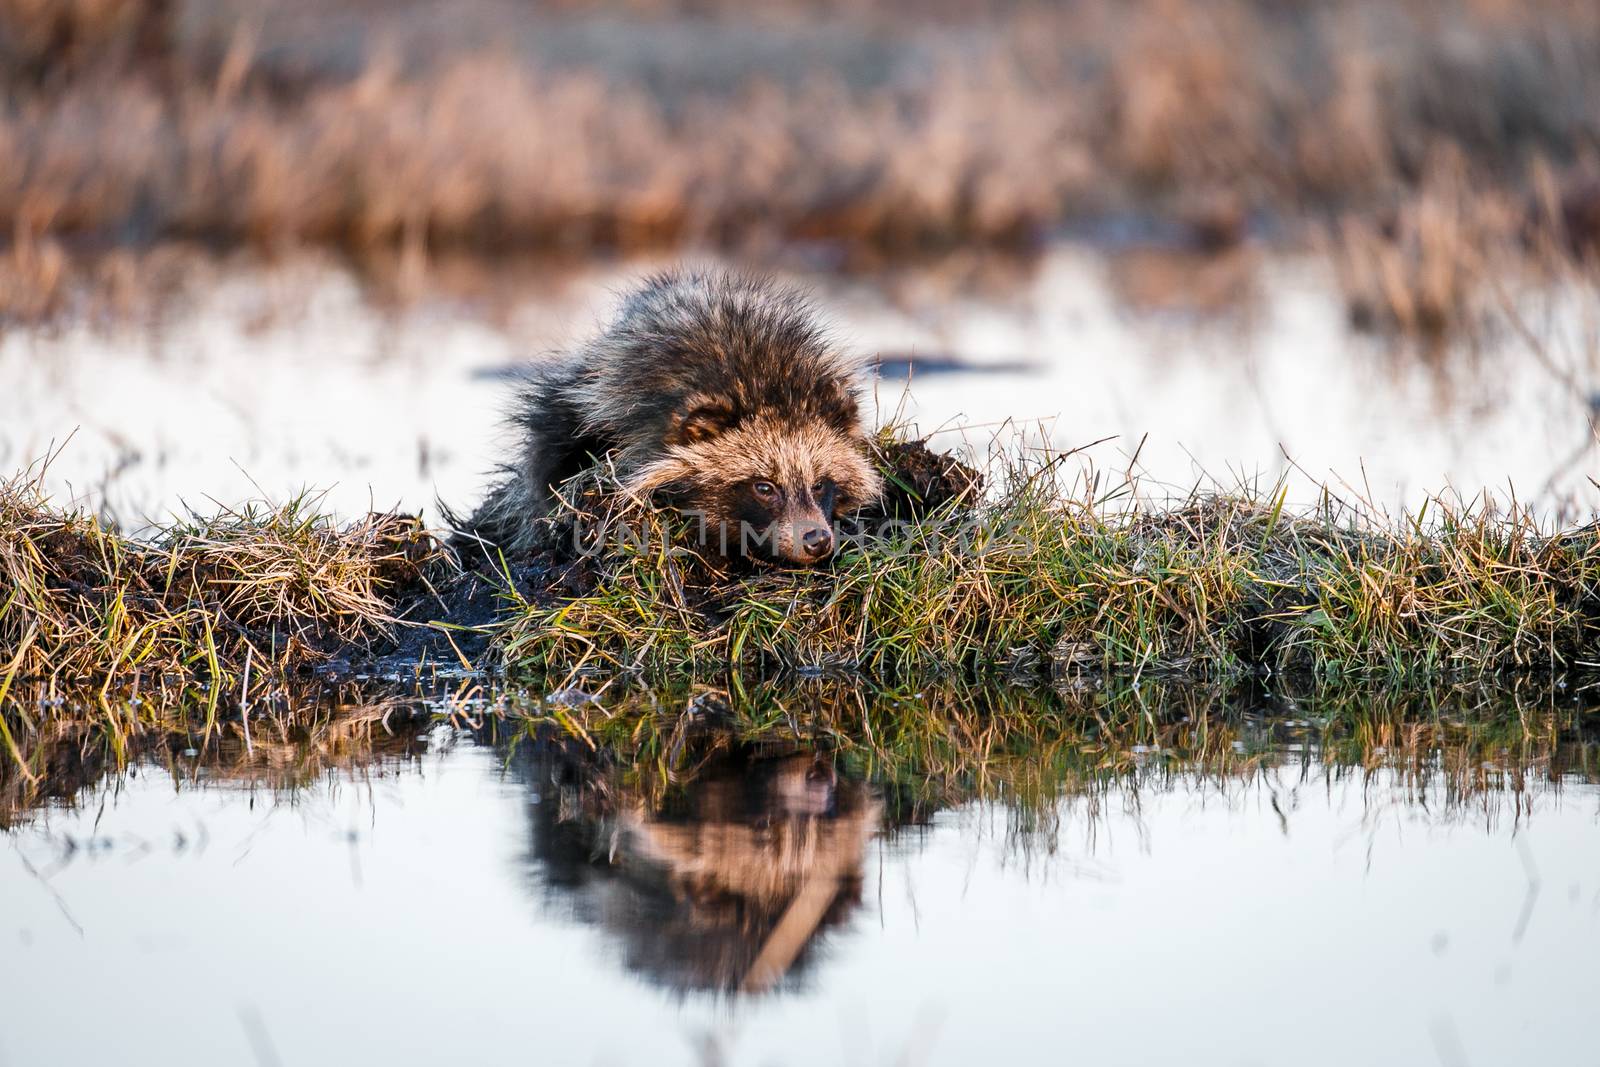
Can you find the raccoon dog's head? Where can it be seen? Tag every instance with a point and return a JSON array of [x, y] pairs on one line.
[[769, 485]]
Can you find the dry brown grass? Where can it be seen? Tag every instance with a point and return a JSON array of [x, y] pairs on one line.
[[45, 40], [270, 587], [987, 123], [1448, 257], [1422, 270]]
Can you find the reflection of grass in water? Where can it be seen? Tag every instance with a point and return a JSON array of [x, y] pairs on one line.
[[926, 748], [296, 737], [1454, 751]]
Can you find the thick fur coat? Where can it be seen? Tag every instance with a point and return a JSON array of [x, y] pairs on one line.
[[715, 392]]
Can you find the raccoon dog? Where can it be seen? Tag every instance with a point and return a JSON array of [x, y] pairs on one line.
[[716, 393]]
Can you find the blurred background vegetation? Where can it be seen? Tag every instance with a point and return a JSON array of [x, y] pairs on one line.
[[887, 126]]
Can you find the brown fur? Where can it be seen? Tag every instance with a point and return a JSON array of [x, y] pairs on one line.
[[717, 393]]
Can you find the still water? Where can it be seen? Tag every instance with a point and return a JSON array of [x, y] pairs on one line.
[[449, 897], [263, 379]]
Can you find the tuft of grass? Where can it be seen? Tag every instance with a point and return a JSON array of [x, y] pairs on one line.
[[276, 586]]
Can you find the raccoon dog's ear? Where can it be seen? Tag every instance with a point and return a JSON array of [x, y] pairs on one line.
[[701, 423]]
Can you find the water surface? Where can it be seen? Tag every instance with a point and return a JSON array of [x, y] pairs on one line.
[[264, 379], [448, 895]]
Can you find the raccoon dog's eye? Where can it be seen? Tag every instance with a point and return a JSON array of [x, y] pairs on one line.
[[818, 488], [765, 490]]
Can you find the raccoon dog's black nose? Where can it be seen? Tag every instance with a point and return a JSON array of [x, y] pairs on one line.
[[817, 541]]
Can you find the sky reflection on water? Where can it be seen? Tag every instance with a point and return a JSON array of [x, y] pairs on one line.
[[490, 905], [271, 379]]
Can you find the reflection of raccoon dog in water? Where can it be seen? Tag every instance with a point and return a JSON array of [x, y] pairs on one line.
[[719, 393]]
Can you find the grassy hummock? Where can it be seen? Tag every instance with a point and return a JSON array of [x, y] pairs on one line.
[[1040, 575], [271, 589], [1046, 577]]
